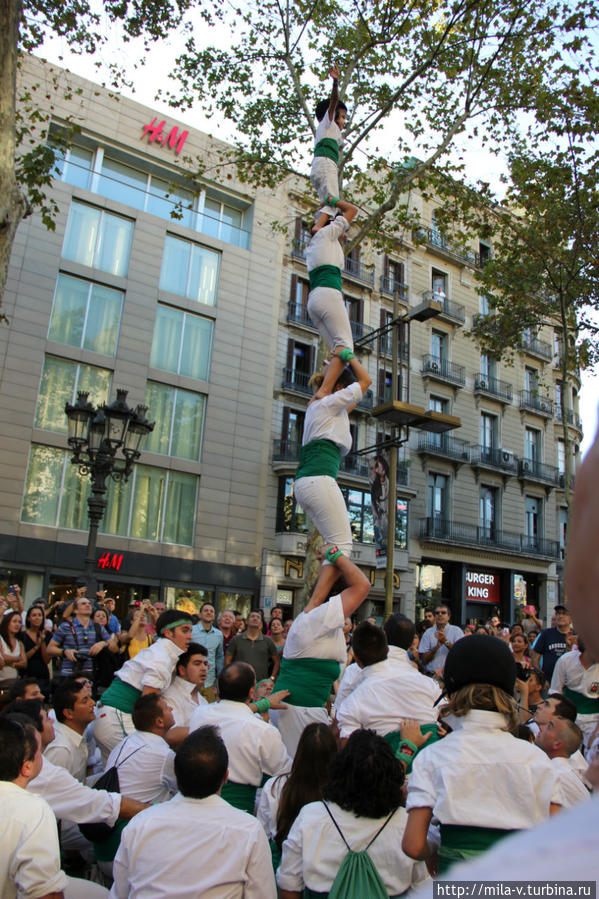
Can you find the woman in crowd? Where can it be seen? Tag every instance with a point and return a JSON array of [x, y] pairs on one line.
[[12, 650], [326, 439], [520, 650], [361, 810], [35, 640], [277, 634], [136, 637]]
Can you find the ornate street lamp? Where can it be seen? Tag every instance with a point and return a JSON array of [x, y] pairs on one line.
[[95, 437]]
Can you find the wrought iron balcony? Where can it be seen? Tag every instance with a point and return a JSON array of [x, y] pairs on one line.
[[367, 401], [386, 346], [358, 271], [450, 310], [533, 401], [299, 314], [298, 246], [571, 418], [484, 383], [489, 457], [532, 470], [285, 450], [296, 380], [443, 370], [359, 330], [354, 465], [437, 241], [449, 531], [390, 285], [535, 347], [443, 445]]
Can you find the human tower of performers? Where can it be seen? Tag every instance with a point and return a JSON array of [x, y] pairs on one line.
[[359, 775]]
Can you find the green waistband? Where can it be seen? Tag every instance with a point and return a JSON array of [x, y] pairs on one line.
[[241, 796], [319, 458], [328, 147], [314, 894], [309, 681], [326, 276], [107, 849], [120, 695], [460, 842], [585, 705]]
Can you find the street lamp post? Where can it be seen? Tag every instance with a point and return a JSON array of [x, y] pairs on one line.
[[95, 437]]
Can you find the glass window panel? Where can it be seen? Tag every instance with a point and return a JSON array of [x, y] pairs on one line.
[[160, 401], [197, 347], [116, 516], [115, 245], [231, 224], [170, 201], [203, 275], [44, 473], [56, 389], [103, 320], [180, 509], [175, 265], [123, 183], [211, 218], [166, 342], [81, 234], [401, 524], [148, 499], [189, 417], [68, 312], [95, 381], [73, 501], [76, 169]]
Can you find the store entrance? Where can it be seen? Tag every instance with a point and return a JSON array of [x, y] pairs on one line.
[[123, 594]]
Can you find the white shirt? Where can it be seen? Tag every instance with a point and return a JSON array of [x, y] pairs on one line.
[[328, 128], [268, 804], [146, 766], [429, 640], [152, 667], [179, 697], [482, 776], [254, 747], [327, 419], [29, 855], [187, 848], [71, 800], [389, 692], [351, 677], [324, 247], [70, 750], [573, 790], [313, 851], [318, 634], [569, 672]]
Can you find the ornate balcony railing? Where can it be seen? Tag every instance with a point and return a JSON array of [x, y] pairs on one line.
[[442, 369], [493, 386], [458, 532]]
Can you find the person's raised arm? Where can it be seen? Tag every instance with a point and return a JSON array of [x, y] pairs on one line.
[[332, 110], [347, 209], [362, 376]]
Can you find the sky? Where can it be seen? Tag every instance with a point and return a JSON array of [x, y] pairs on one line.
[[150, 78]]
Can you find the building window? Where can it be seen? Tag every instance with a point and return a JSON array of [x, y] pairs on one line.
[[533, 521], [488, 512], [439, 345], [222, 221], [153, 505], [189, 270], [488, 367], [290, 515], [483, 304], [437, 499], [561, 457], [86, 315], [61, 379], [76, 166], [293, 427], [98, 239], [532, 445], [488, 431], [563, 531], [531, 380], [182, 343], [439, 285], [149, 193], [179, 416]]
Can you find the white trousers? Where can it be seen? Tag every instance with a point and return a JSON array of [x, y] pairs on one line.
[[324, 178], [83, 889], [327, 310], [292, 721], [322, 500], [110, 727]]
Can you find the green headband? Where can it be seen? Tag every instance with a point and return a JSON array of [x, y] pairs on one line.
[[174, 624]]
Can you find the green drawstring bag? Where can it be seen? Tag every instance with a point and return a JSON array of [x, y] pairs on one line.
[[358, 877]]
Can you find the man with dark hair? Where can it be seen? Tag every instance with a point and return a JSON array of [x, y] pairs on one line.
[[154, 856], [560, 738], [255, 648], [30, 853], [144, 759], [74, 708], [79, 640], [254, 746], [184, 694], [391, 689], [576, 675], [437, 641], [25, 688], [553, 642], [206, 634]]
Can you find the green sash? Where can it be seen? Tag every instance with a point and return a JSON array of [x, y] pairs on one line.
[[120, 695], [313, 894], [325, 276], [241, 796], [107, 849], [461, 842], [328, 147], [309, 681], [319, 458], [585, 705]]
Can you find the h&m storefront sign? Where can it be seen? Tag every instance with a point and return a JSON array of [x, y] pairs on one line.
[[482, 586]]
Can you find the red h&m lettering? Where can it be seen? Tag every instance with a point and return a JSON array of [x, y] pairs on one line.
[[155, 132]]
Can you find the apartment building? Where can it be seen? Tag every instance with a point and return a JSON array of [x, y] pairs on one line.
[[176, 288]]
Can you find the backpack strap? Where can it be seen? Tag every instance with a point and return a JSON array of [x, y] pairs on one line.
[[381, 828], [337, 826], [116, 761]]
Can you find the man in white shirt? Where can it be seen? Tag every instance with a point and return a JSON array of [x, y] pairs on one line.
[[144, 759], [391, 689], [254, 747], [74, 708], [576, 675], [30, 856], [437, 641], [184, 694], [560, 739], [197, 844]]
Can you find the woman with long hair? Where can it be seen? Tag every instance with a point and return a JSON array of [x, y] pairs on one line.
[[510, 784], [12, 651], [360, 810], [35, 639]]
